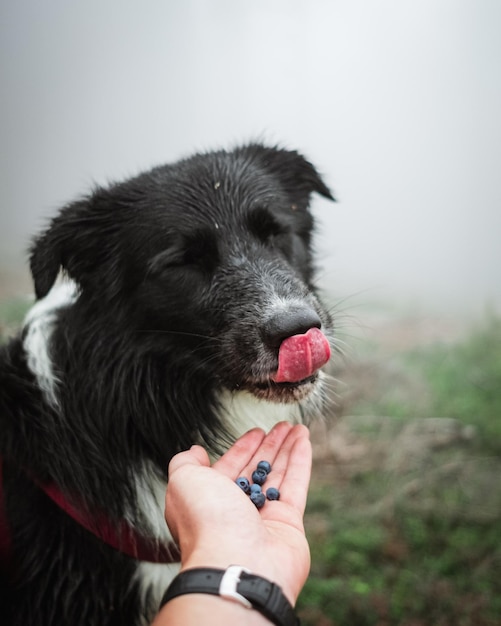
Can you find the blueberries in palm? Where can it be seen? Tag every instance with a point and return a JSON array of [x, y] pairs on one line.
[[259, 476], [265, 466], [258, 499], [272, 493], [244, 484]]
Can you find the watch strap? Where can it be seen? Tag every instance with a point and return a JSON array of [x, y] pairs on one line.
[[237, 584]]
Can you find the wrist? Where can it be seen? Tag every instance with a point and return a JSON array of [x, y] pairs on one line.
[[250, 560], [234, 585], [207, 610]]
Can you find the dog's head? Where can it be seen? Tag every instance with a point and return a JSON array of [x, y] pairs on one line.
[[209, 258]]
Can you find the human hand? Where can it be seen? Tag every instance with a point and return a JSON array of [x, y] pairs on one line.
[[216, 525]]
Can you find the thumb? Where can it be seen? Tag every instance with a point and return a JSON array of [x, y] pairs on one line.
[[196, 455]]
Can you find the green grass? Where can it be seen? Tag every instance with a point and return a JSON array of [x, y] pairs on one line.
[[406, 563], [419, 546], [404, 568]]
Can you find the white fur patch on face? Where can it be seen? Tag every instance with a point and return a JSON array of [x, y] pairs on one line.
[[39, 326], [280, 304]]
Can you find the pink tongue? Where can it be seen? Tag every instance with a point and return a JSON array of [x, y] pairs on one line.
[[300, 356]]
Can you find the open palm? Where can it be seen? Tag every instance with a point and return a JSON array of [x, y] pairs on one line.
[[216, 524]]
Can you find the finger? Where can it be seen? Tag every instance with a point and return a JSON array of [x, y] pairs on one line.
[[291, 475], [239, 455], [295, 477], [281, 460], [196, 455], [270, 447]]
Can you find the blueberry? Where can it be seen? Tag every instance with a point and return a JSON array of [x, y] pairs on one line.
[[255, 488], [264, 465], [259, 499], [259, 476], [272, 493], [243, 483]]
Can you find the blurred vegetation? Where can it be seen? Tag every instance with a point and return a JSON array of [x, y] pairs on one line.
[[465, 382], [12, 311], [409, 532]]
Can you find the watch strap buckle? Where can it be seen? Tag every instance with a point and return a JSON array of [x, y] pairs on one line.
[[229, 583]]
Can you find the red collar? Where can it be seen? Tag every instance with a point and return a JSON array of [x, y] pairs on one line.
[[122, 537]]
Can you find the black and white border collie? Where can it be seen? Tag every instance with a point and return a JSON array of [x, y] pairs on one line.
[[175, 307]]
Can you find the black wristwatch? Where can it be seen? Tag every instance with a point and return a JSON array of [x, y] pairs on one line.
[[238, 584]]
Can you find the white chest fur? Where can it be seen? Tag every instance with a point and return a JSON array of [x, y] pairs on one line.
[[242, 411]]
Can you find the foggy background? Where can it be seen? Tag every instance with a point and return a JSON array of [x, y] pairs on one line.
[[397, 103]]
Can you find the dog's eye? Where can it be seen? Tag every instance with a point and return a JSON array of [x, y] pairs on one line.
[[164, 260], [272, 232], [196, 251], [266, 227]]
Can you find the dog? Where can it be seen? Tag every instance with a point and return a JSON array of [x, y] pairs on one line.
[[173, 308]]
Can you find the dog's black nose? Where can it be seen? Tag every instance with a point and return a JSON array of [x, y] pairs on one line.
[[289, 322]]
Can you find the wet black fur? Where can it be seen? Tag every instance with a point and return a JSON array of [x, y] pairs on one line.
[[171, 267]]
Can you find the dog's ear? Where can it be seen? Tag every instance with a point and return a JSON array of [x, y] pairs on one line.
[[45, 261], [78, 241], [297, 175]]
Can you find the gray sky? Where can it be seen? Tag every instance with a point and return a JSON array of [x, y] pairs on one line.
[[397, 102]]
